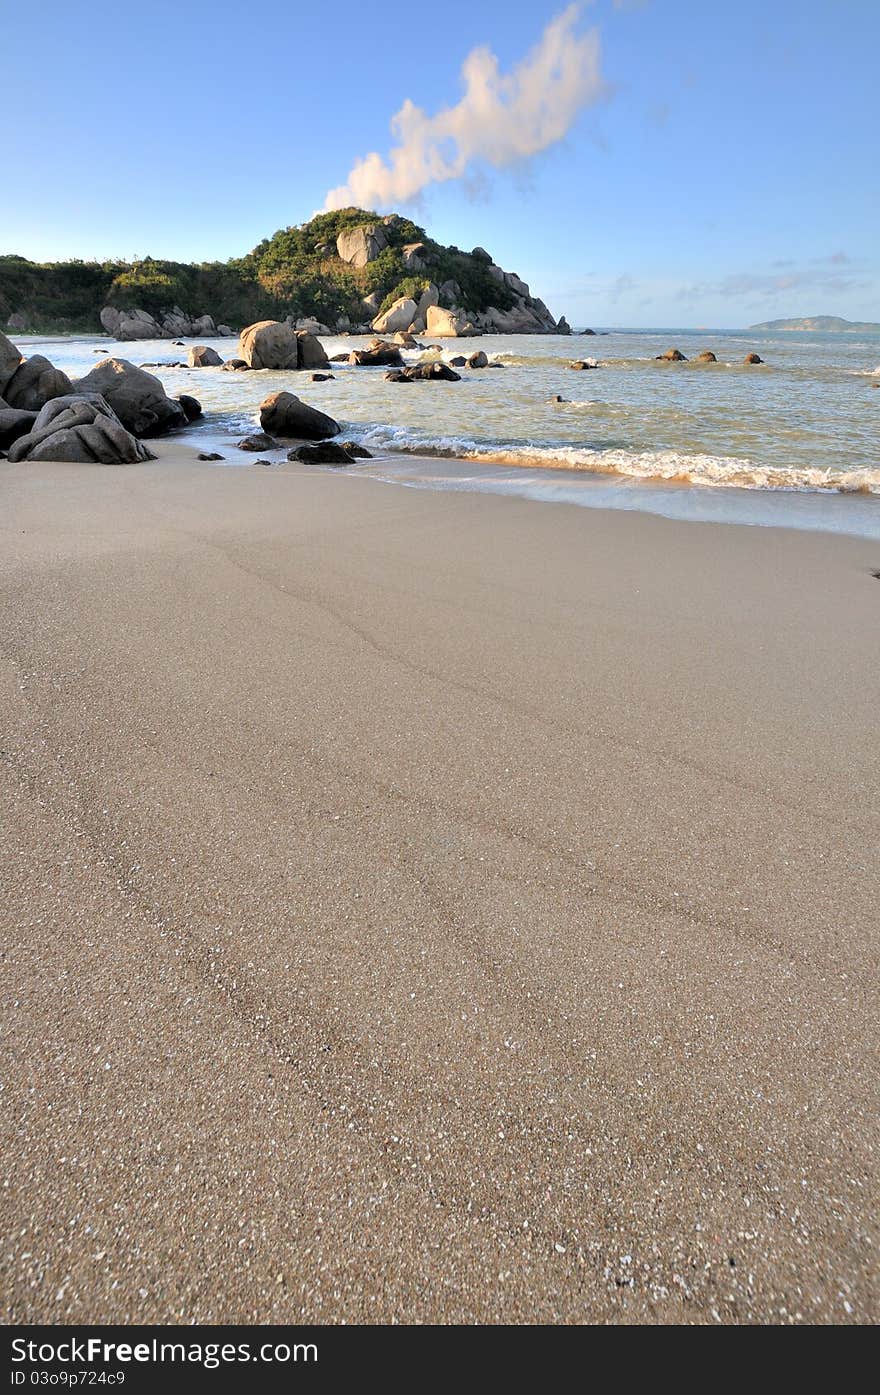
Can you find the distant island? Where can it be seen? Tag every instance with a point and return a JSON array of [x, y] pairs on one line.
[[824, 324], [345, 270]]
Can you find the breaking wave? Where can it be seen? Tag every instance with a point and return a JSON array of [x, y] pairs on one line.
[[669, 466]]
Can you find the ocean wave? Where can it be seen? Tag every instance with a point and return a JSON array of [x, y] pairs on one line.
[[669, 466]]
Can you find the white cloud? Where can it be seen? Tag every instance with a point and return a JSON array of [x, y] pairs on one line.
[[501, 119]]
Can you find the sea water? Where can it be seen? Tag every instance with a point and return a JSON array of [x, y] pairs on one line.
[[793, 441]]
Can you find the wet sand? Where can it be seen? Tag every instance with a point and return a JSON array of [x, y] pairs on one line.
[[432, 907]]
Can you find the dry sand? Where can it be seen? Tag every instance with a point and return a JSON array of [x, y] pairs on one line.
[[432, 907]]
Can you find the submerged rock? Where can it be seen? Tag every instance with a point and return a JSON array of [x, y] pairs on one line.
[[706, 356], [581, 364], [753, 358], [378, 354], [425, 372], [258, 441], [671, 356]]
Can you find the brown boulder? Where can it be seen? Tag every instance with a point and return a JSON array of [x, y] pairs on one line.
[[379, 354], [202, 356], [269, 344], [752, 358], [706, 356], [283, 414], [671, 356]]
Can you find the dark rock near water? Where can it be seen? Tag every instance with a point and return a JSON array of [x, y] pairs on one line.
[[582, 364], [285, 415], [258, 441], [327, 453], [425, 372], [706, 356], [360, 452], [753, 358], [478, 360], [202, 356], [209, 455], [235, 365], [671, 356], [191, 405], [379, 354], [322, 378]]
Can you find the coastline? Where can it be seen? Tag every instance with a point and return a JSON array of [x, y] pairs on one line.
[[440, 908]]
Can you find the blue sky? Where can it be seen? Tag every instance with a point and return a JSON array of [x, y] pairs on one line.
[[727, 171]]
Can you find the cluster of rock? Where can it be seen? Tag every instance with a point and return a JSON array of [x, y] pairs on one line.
[[126, 325], [100, 418], [707, 356]]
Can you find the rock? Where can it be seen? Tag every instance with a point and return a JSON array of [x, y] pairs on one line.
[[192, 407], [450, 292], [203, 357], [361, 453], [752, 358], [406, 341], [285, 415], [209, 455], [178, 344], [563, 327], [311, 353], [379, 354], [138, 398], [553, 400], [269, 344], [14, 422], [235, 365], [311, 325], [671, 356], [110, 318], [425, 372], [258, 441], [478, 360], [398, 316], [358, 246], [327, 453], [588, 331], [203, 325], [583, 363], [706, 356], [340, 358], [323, 378], [79, 428], [448, 324], [343, 324], [35, 382], [224, 332], [458, 362], [416, 256], [371, 304]]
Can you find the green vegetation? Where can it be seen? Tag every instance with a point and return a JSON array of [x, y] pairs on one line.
[[295, 272]]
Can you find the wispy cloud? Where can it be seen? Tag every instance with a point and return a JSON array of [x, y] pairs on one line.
[[755, 286], [502, 118]]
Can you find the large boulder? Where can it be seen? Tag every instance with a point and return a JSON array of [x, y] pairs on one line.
[[269, 344], [14, 423], [204, 325], [80, 429], [671, 356], [398, 316], [358, 246], [10, 361], [138, 398], [327, 453], [202, 356], [310, 351], [752, 358], [706, 356], [378, 354], [282, 414], [416, 256], [448, 324], [35, 382]]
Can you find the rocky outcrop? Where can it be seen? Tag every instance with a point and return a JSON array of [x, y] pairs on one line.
[[201, 356], [378, 354], [35, 382], [276, 345], [80, 428], [753, 358], [283, 414], [478, 360], [399, 316], [448, 324], [359, 246], [127, 325], [671, 356], [706, 356], [562, 326], [580, 364], [138, 399]]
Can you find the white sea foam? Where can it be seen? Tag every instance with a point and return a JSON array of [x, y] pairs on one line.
[[671, 466]]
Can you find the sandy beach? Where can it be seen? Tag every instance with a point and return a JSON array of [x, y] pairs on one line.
[[429, 907]]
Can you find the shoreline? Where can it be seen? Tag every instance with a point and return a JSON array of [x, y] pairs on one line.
[[424, 907]]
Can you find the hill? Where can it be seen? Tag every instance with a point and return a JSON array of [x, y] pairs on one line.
[[823, 324], [341, 268]]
